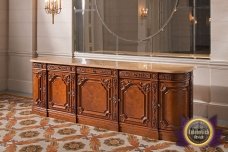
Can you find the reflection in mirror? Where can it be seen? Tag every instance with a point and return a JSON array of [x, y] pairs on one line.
[[142, 27]]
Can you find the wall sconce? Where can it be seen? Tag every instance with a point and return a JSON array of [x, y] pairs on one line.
[[208, 20], [144, 12], [53, 7], [192, 18]]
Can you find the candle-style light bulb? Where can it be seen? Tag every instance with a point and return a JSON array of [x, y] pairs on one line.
[[46, 3], [53, 7], [144, 12]]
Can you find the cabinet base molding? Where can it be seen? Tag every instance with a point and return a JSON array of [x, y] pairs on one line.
[[61, 115], [101, 123], [139, 130], [39, 111], [168, 135]]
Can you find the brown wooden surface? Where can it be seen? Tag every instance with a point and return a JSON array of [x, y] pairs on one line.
[[37, 87], [174, 103], [96, 93], [39, 76], [62, 115], [61, 88], [101, 123], [150, 104], [138, 102], [39, 111], [139, 130]]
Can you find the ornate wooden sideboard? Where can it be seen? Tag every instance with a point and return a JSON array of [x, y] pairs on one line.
[[147, 99]]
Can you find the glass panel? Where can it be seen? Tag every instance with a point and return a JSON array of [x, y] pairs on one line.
[[122, 27], [202, 36]]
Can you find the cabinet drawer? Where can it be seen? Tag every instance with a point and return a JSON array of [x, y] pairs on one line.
[[95, 71], [52, 67], [39, 65], [138, 75], [175, 77]]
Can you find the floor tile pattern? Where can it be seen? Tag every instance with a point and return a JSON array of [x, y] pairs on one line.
[[22, 131]]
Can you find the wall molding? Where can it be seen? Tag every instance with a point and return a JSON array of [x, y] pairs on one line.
[[16, 53], [54, 54], [3, 85], [207, 110], [200, 108], [20, 85], [3, 53], [193, 61], [218, 104]]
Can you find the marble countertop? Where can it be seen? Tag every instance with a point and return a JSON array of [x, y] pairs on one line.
[[115, 64]]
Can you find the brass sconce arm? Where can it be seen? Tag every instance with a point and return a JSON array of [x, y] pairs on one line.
[[53, 7]]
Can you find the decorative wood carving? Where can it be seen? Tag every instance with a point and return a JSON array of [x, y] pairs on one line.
[[154, 76], [60, 68], [62, 100], [37, 65], [145, 87], [106, 83], [66, 79], [38, 73], [81, 80], [175, 77], [108, 114], [145, 121], [123, 117], [130, 91], [95, 95], [44, 66], [115, 82], [154, 109], [115, 73], [44, 86], [130, 74], [51, 76], [143, 101], [163, 87], [191, 96], [81, 70], [163, 124], [39, 85], [180, 92], [124, 84], [115, 99], [165, 77], [80, 110]]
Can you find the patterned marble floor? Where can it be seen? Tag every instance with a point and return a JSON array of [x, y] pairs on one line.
[[25, 132]]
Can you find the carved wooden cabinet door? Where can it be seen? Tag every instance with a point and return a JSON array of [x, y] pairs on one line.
[[138, 99], [175, 100], [96, 93], [61, 88], [39, 85]]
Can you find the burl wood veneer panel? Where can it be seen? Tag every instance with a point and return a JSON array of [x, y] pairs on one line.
[[175, 94], [39, 89], [138, 103], [61, 92], [96, 102]]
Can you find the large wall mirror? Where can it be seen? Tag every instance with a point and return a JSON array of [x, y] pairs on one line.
[[142, 27]]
